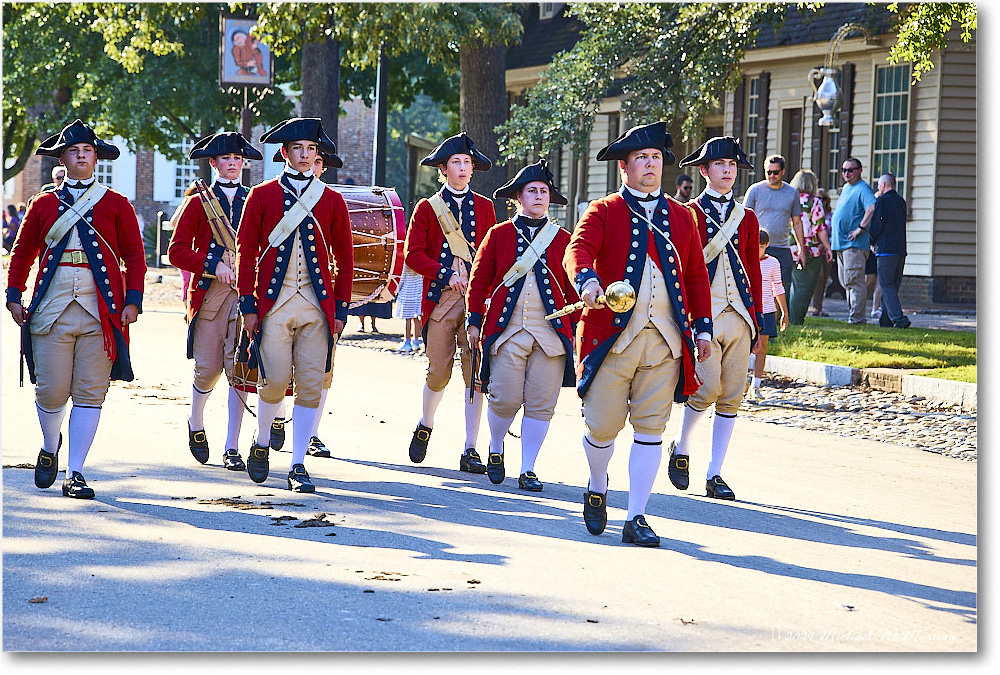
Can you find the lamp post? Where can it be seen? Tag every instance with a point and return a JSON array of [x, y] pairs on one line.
[[827, 95]]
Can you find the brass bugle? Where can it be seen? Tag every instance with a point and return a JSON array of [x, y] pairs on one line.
[[618, 297]]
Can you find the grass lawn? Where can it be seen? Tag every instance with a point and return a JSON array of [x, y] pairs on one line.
[[946, 354]]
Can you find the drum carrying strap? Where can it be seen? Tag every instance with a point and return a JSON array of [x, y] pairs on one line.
[[725, 233], [298, 212], [449, 226], [536, 248], [74, 213]]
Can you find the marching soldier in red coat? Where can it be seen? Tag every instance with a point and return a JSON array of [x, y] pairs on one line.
[[290, 303], [210, 255], [729, 232], [74, 333], [445, 232], [316, 448], [525, 358], [637, 363]]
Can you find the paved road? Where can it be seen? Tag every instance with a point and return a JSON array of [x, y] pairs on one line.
[[836, 544]]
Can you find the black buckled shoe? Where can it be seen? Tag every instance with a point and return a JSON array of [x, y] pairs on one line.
[[316, 448], [677, 468], [637, 532], [277, 433], [418, 444], [595, 511], [46, 468], [198, 443], [529, 481], [716, 487], [470, 462], [257, 464], [494, 468], [298, 480], [231, 460], [76, 487]]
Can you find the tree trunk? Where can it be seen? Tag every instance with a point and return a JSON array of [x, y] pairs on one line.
[[482, 107], [321, 88], [26, 144]]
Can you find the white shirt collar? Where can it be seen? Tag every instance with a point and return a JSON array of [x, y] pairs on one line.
[[715, 193], [641, 194], [454, 191]]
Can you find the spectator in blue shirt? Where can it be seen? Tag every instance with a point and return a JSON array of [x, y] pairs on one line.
[[850, 238]]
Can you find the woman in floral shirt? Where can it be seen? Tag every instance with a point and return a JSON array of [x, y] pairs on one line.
[[817, 241]]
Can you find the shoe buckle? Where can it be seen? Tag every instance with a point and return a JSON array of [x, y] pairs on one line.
[[45, 461], [199, 436], [681, 462], [423, 435], [496, 459], [595, 500]]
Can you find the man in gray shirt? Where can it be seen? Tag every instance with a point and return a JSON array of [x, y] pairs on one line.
[[775, 202]]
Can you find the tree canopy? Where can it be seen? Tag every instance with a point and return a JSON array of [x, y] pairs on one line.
[[683, 57], [92, 60]]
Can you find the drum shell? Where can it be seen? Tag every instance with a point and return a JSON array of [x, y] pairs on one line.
[[378, 226]]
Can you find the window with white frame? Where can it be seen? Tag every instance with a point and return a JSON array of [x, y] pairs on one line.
[[104, 172], [186, 170], [548, 10], [892, 114], [752, 102]]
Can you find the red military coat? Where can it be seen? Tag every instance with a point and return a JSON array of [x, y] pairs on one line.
[[610, 244], [747, 241], [193, 248], [499, 251], [426, 254], [110, 237], [260, 273]]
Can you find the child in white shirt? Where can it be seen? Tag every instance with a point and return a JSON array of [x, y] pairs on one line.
[[772, 292]]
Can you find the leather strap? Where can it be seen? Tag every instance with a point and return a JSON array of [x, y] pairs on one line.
[[74, 213], [725, 233], [536, 247], [450, 228], [299, 211]]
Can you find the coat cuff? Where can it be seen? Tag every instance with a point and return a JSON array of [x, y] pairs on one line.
[[248, 304], [582, 277], [14, 295], [703, 325], [134, 297], [444, 275], [212, 258], [474, 319], [341, 313], [760, 318]]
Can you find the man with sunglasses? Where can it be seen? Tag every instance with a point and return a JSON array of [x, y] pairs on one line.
[[850, 240], [776, 203]]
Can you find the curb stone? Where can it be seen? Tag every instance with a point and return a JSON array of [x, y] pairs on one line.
[[882, 379]]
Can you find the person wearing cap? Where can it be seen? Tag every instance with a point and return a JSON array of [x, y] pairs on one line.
[[635, 364], [525, 358], [324, 160], [445, 231], [730, 233], [74, 333], [290, 303], [211, 294]]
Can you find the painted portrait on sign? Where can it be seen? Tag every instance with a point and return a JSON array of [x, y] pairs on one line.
[[244, 60]]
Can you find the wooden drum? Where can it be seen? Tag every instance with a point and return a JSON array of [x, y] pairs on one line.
[[379, 228]]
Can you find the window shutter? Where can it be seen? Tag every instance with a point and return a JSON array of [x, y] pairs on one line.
[[763, 102], [739, 110], [846, 110]]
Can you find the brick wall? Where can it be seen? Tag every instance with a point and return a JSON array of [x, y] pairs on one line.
[[355, 134], [938, 291]]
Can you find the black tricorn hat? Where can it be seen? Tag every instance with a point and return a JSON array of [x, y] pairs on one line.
[[539, 171], [300, 129], [720, 147], [331, 160], [653, 135], [224, 143], [458, 145], [74, 133]]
